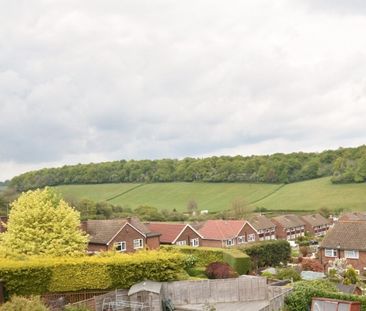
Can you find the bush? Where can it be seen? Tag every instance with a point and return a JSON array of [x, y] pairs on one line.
[[269, 253], [220, 270], [239, 261], [40, 275], [312, 265], [304, 250], [288, 274], [303, 292], [24, 304], [206, 255]]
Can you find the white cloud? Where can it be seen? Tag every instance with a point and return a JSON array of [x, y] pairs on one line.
[[89, 81]]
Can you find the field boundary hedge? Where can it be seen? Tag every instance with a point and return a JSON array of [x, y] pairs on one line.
[[36, 276]]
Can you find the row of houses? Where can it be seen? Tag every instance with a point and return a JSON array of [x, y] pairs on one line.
[[129, 235]]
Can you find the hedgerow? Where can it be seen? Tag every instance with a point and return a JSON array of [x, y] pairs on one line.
[[239, 261], [268, 253], [38, 275], [303, 292]]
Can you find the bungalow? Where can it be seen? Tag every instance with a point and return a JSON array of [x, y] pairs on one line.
[[3, 220], [316, 224], [345, 240], [226, 233], [289, 227], [123, 235], [264, 226], [178, 234]]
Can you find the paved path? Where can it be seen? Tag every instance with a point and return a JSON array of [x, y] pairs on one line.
[[227, 306]]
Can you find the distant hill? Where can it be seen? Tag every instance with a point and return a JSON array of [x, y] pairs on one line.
[[344, 165], [301, 196]]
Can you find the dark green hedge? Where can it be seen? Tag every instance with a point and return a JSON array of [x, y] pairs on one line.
[[239, 261], [268, 253], [40, 275], [303, 292]]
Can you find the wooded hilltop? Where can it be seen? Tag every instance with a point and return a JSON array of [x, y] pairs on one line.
[[345, 165]]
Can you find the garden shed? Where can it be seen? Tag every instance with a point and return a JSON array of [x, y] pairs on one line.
[[148, 294]]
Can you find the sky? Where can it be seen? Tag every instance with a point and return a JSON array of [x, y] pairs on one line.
[[90, 81]]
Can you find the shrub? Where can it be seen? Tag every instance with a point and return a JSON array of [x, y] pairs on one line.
[[268, 253], [24, 304], [220, 270], [300, 298], [239, 261], [40, 275], [288, 274], [304, 250], [312, 265], [206, 255]]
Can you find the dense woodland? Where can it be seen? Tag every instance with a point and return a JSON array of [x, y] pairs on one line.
[[345, 165]]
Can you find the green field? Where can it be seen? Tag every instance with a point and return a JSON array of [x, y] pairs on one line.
[[307, 195]]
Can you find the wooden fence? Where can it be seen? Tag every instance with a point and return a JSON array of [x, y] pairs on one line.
[[244, 288]]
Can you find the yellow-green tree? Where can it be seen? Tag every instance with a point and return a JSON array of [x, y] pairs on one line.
[[41, 223]]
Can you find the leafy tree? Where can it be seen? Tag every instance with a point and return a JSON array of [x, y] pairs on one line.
[[239, 208], [40, 223], [192, 206]]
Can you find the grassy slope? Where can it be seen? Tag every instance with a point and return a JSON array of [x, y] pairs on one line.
[[308, 195], [94, 192], [317, 193], [213, 197]]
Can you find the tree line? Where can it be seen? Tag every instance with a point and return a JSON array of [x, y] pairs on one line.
[[344, 165]]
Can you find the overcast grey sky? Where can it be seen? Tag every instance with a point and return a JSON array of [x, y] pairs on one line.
[[96, 80]]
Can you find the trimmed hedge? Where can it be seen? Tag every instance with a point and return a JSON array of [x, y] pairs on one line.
[[36, 276], [204, 255], [239, 261], [268, 253], [301, 296]]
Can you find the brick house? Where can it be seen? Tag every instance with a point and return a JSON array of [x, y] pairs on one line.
[[178, 234], [123, 235], [289, 227], [316, 224], [227, 233], [264, 226], [345, 240], [3, 220]]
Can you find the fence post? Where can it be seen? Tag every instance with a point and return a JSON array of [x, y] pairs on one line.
[[2, 299]]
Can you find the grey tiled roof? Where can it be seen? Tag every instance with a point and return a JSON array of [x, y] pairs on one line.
[[346, 235], [260, 222], [289, 221], [315, 220]]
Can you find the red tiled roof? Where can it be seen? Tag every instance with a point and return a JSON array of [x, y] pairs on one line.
[[169, 232], [221, 229]]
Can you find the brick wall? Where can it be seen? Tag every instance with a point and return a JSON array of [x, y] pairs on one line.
[[187, 235], [358, 264], [128, 234]]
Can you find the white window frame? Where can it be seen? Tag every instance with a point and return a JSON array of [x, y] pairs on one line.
[[331, 252], [120, 244], [251, 237], [181, 243], [195, 242], [240, 239], [138, 243], [351, 254], [230, 242]]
